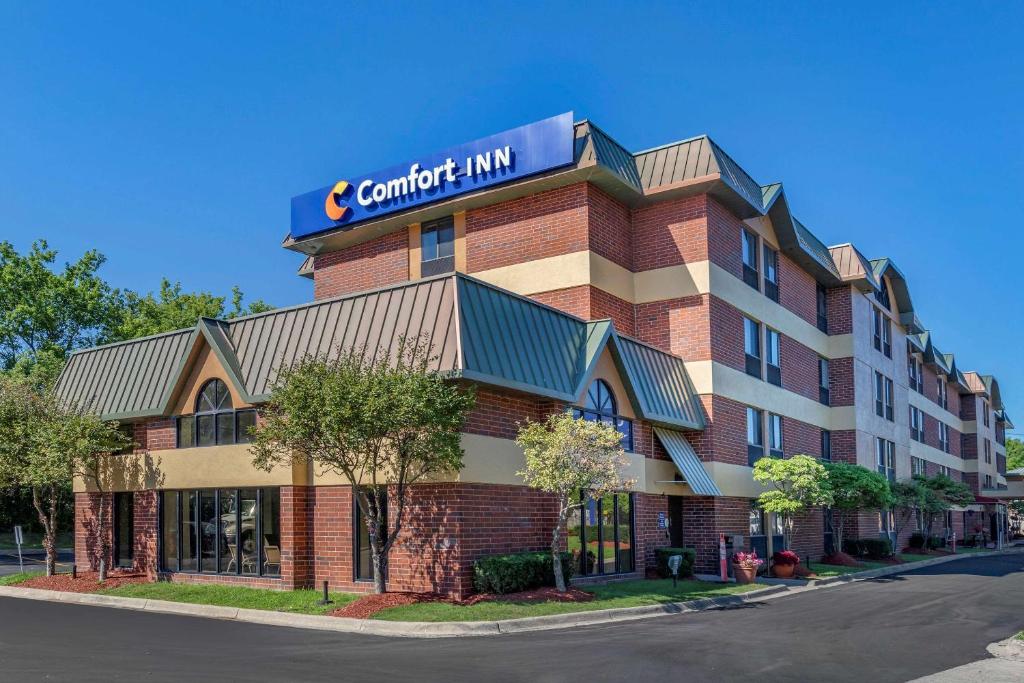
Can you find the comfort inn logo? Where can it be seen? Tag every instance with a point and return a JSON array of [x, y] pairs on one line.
[[335, 208]]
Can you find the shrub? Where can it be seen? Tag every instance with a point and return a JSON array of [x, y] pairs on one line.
[[518, 572], [871, 548], [661, 556], [916, 540], [936, 542], [786, 558]]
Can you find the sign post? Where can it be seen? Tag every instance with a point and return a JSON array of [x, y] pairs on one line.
[[954, 543], [19, 539], [723, 569]]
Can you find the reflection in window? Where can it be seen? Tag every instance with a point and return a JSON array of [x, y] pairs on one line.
[[606, 533], [215, 422], [363, 551], [600, 406], [230, 531]]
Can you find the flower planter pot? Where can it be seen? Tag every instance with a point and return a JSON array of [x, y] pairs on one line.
[[784, 571], [744, 575]]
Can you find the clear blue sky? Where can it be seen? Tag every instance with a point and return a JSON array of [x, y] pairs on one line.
[[173, 140]]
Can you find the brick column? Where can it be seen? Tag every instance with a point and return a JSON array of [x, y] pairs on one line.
[[145, 530], [87, 545], [297, 536]]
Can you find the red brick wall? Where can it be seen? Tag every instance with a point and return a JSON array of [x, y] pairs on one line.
[[839, 305], [144, 530], [704, 518], [809, 535], [799, 366], [670, 233], [379, 262], [844, 446], [155, 434], [591, 303], [840, 381], [497, 414], [679, 326], [798, 290], [724, 439], [539, 226], [968, 407], [610, 227], [573, 300]]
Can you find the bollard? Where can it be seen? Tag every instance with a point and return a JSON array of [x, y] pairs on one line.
[[327, 600], [74, 571]]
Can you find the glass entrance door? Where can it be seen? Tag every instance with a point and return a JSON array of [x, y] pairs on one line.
[[124, 504]]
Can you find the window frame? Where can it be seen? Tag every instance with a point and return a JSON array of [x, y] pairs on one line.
[[439, 264], [824, 395], [770, 259], [776, 443], [612, 417], [756, 448], [749, 243], [821, 304], [773, 371], [599, 563], [217, 415], [826, 445], [752, 362]]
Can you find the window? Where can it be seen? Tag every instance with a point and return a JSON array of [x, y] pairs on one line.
[[984, 412], [755, 436], [749, 258], [752, 347], [437, 247], [773, 368], [822, 297], [887, 337], [882, 296], [917, 465], [941, 394], [988, 481], [943, 437], [885, 458], [604, 528], [363, 553], [214, 423], [988, 451], [823, 394], [876, 328], [826, 444], [599, 406], [771, 273], [945, 471], [916, 424], [915, 371], [221, 531], [879, 395], [889, 399], [775, 435], [756, 519]]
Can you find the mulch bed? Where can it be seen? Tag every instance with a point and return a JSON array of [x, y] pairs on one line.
[[86, 581], [841, 559], [369, 605]]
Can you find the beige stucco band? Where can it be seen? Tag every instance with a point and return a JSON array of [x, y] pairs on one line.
[[690, 279]]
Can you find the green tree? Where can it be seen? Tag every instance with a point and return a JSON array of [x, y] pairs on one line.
[[375, 419], [141, 315], [1014, 453], [566, 455], [46, 312], [44, 443], [941, 494], [854, 488], [907, 497], [797, 485]]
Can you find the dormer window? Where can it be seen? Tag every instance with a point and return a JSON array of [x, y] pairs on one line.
[[599, 406], [215, 421]]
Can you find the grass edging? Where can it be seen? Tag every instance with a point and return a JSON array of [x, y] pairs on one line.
[[464, 628]]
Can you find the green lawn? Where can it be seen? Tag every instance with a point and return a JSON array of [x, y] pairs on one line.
[[619, 594], [13, 579], [35, 540], [300, 601]]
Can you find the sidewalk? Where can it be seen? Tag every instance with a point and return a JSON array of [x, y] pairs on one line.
[[1006, 666], [473, 628]]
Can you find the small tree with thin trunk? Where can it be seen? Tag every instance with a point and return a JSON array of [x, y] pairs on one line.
[[797, 484], [44, 443], [375, 418], [854, 488], [567, 455], [907, 497], [941, 493]]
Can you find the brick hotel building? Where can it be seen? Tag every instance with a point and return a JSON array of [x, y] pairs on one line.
[[665, 291]]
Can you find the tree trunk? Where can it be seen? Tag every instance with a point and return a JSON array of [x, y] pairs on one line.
[[838, 531], [102, 540], [556, 555], [49, 528]]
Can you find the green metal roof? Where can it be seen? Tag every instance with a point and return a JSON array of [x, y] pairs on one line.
[[687, 462], [476, 331]]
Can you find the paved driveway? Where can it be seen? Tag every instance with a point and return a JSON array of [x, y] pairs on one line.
[[892, 629], [33, 561]]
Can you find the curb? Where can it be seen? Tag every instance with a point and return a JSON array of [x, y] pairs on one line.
[[471, 628]]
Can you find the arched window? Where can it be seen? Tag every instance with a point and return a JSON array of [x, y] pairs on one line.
[[600, 406], [215, 422]]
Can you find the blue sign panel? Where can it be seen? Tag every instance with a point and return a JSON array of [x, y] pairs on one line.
[[493, 160]]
